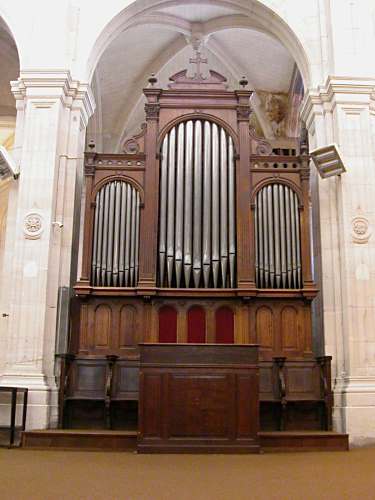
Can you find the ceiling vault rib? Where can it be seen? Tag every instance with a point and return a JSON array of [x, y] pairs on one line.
[[136, 92], [237, 71]]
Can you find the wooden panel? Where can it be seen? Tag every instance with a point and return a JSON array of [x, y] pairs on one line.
[[267, 382], [265, 328], [150, 410], [167, 324], [206, 398], [224, 322], [247, 405], [128, 326], [102, 326], [302, 381], [87, 379], [289, 329], [125, 383], [209, 413], [196, 322]]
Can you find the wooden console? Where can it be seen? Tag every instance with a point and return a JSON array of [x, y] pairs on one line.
[[198, 398]]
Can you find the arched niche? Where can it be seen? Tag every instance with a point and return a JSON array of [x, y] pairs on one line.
[[196, 325], [224, 325], [167, 324]]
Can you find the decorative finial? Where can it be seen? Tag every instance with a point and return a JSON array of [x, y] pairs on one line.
[[152, 80], [92, 145], [243, 82]]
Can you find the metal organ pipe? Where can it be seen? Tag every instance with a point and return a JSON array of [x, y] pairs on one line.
[[197, 213], [277, 238], [215, 204], [116, 235], [163, 208], [171, 205], [207, 150], [197, 205], [223, 207], [232, 212], [188, 205], [179, 228]]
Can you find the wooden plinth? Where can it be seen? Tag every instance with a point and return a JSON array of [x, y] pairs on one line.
[[304, 441], [72, 439]]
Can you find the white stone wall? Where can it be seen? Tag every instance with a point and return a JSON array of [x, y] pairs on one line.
[[332, 42]]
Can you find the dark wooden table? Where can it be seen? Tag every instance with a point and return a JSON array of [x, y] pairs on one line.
[[198, 398], [12, 427]]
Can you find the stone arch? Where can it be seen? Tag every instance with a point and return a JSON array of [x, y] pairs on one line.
[[7, 26], [253, 14]]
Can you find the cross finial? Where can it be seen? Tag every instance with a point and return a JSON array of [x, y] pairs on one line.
[[198, 60]]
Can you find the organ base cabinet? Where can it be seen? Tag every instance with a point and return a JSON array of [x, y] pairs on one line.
[[198, 398]]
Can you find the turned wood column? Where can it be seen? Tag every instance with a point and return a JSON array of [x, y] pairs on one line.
[[149, 215], [305, 225], [88, 224], [245, 264]]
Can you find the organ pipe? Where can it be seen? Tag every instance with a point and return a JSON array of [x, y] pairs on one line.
[[170, 201], [215, 204], [188, 205], [197, 205], [223, 206], [277, 238], [231, 213], [115, 247], [207, 216], [197, 231], [163, 208], [179, 203]]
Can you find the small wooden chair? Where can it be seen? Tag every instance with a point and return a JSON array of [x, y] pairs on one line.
[[306, 381], [87, 379]]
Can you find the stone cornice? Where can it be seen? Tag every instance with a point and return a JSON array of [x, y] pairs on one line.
[[338, 90], [52, 86]]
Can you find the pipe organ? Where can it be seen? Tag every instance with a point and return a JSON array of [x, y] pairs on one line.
[[199, 231], [277, 238], [116, 235]]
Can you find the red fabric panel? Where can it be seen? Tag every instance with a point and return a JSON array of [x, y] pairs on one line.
[[196, 325], [167, 325], [224, 326]]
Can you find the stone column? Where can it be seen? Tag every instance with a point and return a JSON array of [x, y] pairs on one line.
[[343, 111], [55, 111]]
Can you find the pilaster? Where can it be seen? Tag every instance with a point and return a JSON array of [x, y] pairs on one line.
[[343, 111], [53, 111]]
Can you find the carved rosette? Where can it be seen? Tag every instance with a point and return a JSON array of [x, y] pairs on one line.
[[360, 230], [152, 111], [33, 225]]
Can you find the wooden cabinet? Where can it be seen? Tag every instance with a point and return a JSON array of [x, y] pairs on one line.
[[198, 398]]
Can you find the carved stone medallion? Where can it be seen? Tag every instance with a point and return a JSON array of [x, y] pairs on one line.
[[360, 230], [33, 225]]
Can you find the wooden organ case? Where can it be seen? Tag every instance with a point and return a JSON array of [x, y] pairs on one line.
[[197, 233]]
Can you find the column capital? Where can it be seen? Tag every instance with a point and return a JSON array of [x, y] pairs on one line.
[[347, 91], [47, 87]]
